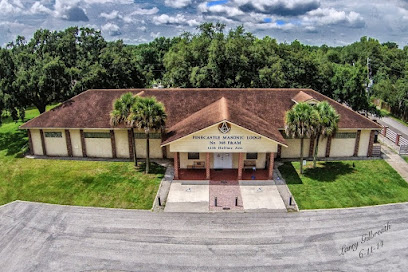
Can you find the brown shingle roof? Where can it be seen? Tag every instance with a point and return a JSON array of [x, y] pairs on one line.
[[302, 97], [218, 111], [91, 109]]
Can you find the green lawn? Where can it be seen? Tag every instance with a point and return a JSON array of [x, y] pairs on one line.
[[339, 184], [84, 183]]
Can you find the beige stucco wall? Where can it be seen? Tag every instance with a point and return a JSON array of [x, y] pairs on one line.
[[98, 147], [343, 147], [261, 161], [339, 147], [184, 161], [321, 152], [122, 143], [364, 141], [56, 146], [155, 148], [250, 141], [235, 158], [76, 142], [36, 138], [170, 155], [293, 149]]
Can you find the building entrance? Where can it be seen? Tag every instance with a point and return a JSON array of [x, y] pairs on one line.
[[222, 160]]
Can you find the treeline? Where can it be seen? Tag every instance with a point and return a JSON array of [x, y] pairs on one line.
[[55, 65]]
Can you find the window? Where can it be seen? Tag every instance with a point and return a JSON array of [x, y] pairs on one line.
[[53, 134], [345, 135], [285, 136], [252, 156], [97, 135], [193, 155], [143, 136]]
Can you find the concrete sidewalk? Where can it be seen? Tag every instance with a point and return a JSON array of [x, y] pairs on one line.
[[395, 160], [188, 197], [165, 184], [258, 198], [199, 196]]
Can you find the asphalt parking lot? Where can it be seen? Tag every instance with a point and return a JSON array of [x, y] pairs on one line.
[[44, 237]]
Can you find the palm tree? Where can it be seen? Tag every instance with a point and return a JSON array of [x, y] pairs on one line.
[[300, 122], [327, 126], [148, 114], [120, 113]]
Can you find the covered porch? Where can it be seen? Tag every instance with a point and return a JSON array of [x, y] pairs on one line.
[[235, 166]]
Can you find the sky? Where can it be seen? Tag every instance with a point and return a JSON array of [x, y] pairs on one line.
[[312, 22]]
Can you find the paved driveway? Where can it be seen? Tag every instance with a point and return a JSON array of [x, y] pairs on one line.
[[394, 125], [43, 237]]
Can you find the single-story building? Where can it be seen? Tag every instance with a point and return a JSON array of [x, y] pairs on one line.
[[206, 129]]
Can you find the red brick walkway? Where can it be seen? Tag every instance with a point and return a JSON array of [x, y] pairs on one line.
[[225, 191], [225, 174]]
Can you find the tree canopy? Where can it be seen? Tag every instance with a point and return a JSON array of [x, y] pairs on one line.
[[302, 122], [327, 125], [148, 114], [55, 65]]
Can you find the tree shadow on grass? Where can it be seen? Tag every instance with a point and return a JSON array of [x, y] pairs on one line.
[[15, 143], [289, 173], [154, 168], [329, 172]]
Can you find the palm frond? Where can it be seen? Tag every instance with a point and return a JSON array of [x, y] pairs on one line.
[[122, 108]]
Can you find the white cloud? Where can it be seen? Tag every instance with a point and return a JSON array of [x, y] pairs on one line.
[[141, 11], [311, 29], [137, 40], [18, 3], [216, 18], [70, 10], [271, 25], [177, 3], [38, 8], [112, 29], [12, 24], [331, 16], [62, 6], [110, 16], [165, 19], [229, 11], [404, 13], [130, 18], [281, 19], [12, 7], [118, 2], [154, 35]]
